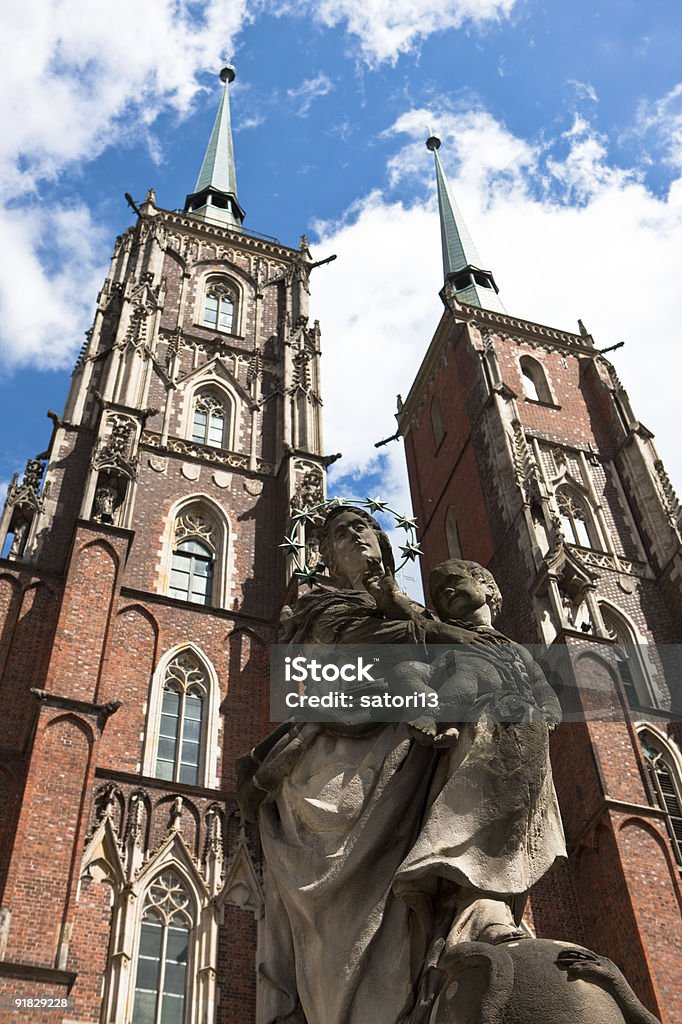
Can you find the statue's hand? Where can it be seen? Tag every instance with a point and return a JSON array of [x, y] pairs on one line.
[[580, 963], [388, 596]]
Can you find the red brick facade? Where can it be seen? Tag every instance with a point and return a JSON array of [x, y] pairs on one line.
[[501, 456], [88, 623]]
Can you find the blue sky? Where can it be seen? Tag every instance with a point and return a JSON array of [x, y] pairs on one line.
[[562, 138]]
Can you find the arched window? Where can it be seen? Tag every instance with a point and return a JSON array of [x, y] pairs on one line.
[[162, 979], [192, 572], [210, 419], [667, 785], [535, 383], [437, 421], [629, 660], [576, 518], [220, 303], [452, 534], [185, 686]]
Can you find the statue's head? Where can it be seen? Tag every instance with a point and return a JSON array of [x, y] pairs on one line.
[[352, 543], [459, 587]]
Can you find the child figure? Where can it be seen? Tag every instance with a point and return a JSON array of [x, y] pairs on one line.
[[489, 676]]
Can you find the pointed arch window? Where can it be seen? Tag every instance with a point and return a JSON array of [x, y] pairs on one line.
[[181, 728], [162, 976], [576, 519], [535, 384], [629, 662], [194, 552], [667, 786], [210, 419], [220, 303], [437, 421]]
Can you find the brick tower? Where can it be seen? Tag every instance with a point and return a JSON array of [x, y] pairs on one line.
[[139, 594], [524, 454]]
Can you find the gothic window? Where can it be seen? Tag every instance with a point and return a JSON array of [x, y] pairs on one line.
[[535, 383], [219, 305], [667, 785], [162, 977], [576, 519], [192, 572], [191, 576], [437, 421], [209, 419], [629, 662], [452, 534], [178, 756]]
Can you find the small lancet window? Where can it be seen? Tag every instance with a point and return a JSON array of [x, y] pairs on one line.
[[178, 757], [437, 421], [535, 384], [575, 520], [665, 779], [628, 660], [209, 420], [219, 306], [161, 980], [452, 534]]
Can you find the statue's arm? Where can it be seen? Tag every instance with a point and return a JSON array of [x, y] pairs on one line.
[[580, 963]]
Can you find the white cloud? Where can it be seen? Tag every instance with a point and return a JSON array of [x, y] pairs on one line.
[[310, 90], [388, 28], [80, 76], [611, 258], [43, 310], [661, 122], [584, 90]]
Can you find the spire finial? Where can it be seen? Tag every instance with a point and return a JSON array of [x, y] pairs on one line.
[[461, 262], [215, 193]]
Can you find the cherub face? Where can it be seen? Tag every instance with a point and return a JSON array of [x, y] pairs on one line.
[[355, 545], [459, 595]]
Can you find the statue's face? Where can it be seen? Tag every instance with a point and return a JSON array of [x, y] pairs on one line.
[[459, 595], [355, 545]]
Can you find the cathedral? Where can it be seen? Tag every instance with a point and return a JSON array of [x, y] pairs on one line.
[[144, 570]]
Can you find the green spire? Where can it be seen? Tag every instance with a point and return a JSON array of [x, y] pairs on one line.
[[461, 262], [215, 193]]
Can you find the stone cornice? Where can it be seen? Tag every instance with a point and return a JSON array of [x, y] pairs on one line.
[[229, 235]]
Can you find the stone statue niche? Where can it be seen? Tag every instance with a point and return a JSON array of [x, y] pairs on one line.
[[399, 855], [109, 496]]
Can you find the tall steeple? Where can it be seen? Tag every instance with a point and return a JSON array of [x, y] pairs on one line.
[[461, 262], [215, 193]]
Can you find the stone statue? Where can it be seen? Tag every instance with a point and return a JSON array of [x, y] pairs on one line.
[[394, 848], [104, 505]]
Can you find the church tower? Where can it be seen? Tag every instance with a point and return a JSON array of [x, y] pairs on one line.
[[139, 595], [524, 454]]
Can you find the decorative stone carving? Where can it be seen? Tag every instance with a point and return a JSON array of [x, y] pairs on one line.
[[206, 453], [253, 487], [222, 479], [671, 502], [116, 451], [195, 524], [190, 470], [158, 463]]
